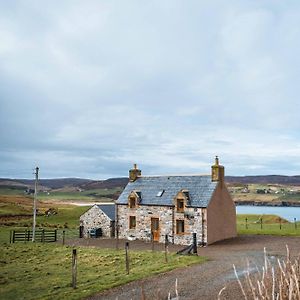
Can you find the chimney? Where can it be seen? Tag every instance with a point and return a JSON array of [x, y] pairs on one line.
[[134, 173], [217, 171]]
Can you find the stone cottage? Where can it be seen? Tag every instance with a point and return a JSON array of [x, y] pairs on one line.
[[177, 206], [98, 216]]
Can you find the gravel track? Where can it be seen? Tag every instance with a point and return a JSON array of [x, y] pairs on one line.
[[203, 281]]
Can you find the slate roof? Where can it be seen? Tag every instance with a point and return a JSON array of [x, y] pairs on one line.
[[109, 210], [200, 189]]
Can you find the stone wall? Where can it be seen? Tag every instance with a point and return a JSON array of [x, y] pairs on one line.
[[167, 216], [96, 218]]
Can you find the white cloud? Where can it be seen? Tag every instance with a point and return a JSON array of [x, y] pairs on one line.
[[93, 87]]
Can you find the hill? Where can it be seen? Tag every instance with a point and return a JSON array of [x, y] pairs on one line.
[[65, 183], [88, 184], [264, 179]]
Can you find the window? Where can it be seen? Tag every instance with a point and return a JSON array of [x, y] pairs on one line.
[[132, 202], [132, 222], [187, 195], [180, 205], [179, 226], [160, 193]]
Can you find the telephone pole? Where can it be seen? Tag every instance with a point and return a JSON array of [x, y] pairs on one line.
[[34, 201]]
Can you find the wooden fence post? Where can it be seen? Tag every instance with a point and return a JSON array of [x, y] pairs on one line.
[[246, 223], [261, 223], [280, 223], [55, 235], [117, 236], [195, 242], [166, 248], [295, 221], [152, 241], [13, 237], [126, 257], [43, 235], [10, 236], [74, 268], [63, 237]]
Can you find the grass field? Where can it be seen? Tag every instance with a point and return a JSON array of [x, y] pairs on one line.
[[272, 225], [43, 271], [102, 195]]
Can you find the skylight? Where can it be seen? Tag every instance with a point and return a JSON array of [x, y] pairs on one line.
[[160, 193]]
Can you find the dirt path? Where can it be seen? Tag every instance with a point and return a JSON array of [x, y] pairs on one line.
[[202, 281]]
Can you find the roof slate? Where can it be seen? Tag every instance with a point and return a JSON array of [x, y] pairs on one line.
[[200, 189], [109, 210]]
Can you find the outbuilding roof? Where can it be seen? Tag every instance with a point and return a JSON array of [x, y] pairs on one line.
[[109, 210], [161, 190]]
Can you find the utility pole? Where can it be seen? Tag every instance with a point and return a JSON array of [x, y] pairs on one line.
[[34, 201]]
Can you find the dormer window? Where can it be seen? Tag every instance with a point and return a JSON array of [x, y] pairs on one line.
[[180, 205], [134, 198], [132, 202], [181, 200], [187, 195]]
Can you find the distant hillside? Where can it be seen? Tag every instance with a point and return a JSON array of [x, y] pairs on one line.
[[87, 184], [61, 183], [105, 184], [48, 183], [265, 179]]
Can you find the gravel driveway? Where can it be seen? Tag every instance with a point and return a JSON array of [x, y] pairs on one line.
[[203, 281]]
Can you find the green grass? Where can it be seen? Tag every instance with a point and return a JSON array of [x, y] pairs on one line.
[[95, 194], [270, 225], [69, 233], [43, 271], [13, 209], [88, 195], [290, 197], [6, 190], [67, 217]]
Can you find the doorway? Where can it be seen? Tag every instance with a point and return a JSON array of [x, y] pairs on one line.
[[155, 229]]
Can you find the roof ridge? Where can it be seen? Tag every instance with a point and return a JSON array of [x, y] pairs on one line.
[[176, 175]]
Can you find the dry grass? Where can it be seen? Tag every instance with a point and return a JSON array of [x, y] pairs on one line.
[[273, 282]]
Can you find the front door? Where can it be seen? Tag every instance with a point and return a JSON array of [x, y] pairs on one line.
[[155, 229]]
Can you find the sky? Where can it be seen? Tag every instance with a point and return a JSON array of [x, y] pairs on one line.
[[87, 88]]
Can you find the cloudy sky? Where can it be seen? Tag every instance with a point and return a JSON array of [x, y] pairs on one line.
[[87, 88]]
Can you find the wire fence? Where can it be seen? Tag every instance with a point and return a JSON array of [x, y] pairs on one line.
[[265, 223]]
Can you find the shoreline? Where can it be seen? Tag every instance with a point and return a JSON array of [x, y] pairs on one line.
[[266, 203]]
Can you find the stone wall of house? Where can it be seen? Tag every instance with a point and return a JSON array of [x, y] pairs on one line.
[[167, 216], [96, 218], [194, 221]]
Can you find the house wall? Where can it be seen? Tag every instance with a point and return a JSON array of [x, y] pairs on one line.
[[96, 218], [221, 216], [167, 216]]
